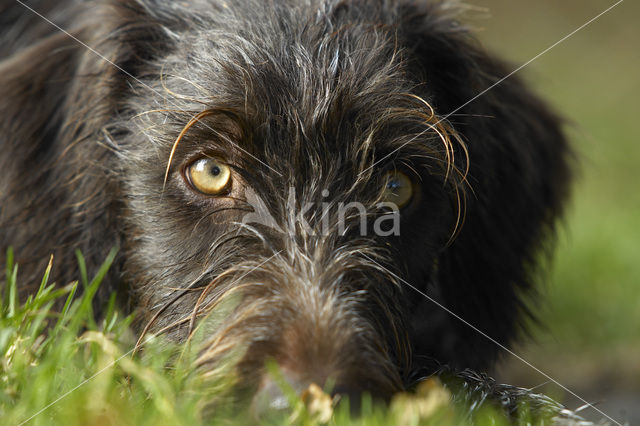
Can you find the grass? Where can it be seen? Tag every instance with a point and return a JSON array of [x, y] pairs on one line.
[[59, 366], [62, 367]]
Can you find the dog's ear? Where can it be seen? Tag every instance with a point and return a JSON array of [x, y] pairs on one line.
[[517, 182], [34, 86], [59, 100]]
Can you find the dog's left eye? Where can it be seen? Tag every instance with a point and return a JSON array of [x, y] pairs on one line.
[[209, 176], [398, 188]]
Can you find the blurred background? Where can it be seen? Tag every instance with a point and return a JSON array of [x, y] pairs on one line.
[[590, 337]]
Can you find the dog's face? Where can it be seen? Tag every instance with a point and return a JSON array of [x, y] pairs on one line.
[[285, 129], [291, 173]]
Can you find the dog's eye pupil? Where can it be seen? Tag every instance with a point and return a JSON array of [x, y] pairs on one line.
[[393, 185], [398, 188], [209, 176]]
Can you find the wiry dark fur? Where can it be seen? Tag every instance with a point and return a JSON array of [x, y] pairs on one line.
[[318, 90]]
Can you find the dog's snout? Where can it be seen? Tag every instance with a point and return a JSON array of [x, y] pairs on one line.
[[275, 397], [270, 400]]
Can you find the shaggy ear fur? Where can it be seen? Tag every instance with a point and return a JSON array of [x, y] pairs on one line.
[[59, 101], [517, 181], [35, 84]]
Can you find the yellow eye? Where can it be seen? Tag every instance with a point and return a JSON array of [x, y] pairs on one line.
[[398, 188], [209, 176]]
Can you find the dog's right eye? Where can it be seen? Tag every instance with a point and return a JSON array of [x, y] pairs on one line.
[[209, 176], [398, 188]]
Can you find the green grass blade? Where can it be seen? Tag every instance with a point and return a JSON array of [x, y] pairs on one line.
[[82, 266], [45, 278]]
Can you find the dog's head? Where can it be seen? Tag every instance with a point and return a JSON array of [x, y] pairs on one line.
[[326, 166]]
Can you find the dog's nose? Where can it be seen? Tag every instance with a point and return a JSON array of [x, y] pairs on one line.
[[271, 400], [274, 397]]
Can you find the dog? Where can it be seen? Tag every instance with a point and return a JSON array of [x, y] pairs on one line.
[[353, 174]]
